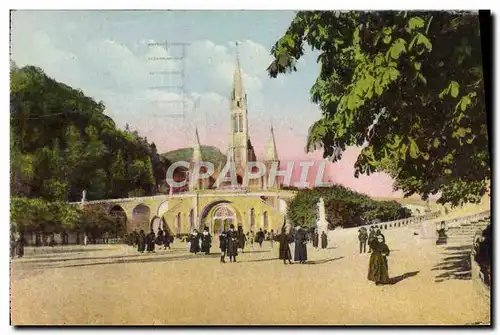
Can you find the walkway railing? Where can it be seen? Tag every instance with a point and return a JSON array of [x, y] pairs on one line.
[[404, 222], [165, 196], [455, 222]]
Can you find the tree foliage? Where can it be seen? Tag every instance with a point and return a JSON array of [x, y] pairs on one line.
[[62, 143], [405, 86], [343, 207], [41, 216], [38, 215]]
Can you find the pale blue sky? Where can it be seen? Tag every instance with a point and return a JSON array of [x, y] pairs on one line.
[[105, 53]]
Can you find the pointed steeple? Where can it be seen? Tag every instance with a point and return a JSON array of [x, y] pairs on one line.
[[271, 154], [237, 81], [196, 148]]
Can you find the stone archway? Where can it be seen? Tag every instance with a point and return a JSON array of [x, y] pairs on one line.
[[230, 214], [119, 214], [223, 216], [140, 217], [156, 224], [162, 208]]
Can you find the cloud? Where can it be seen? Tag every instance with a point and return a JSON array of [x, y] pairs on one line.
[[217, 63]]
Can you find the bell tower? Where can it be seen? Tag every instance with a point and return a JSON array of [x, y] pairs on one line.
[[238, 134]]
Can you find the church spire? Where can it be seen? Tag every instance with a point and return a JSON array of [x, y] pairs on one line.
[[196, 148], [237, 81], [271, 154]]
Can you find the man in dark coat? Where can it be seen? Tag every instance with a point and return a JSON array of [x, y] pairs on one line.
[[241, 238], [272, 237], [38, 240], [260, 237], [160, 238], [135, 238], [363, 237], [167, 239], [300, 246], [206, 241], [324, 240], [232, 244], [223, 245], [315, 238], [284, 240], [150, 241], [194, 241], [371, 237], [141, 241]]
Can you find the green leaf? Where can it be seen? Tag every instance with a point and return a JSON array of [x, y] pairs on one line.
[[414, 151], [387, 39], [417, 65], [415, 22], [464, 102], [393, 73], [397, 48], [425, 41], [436, 143], [454, 89]]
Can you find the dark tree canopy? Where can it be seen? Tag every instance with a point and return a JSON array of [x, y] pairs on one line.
[[62, 143], [405, 86]]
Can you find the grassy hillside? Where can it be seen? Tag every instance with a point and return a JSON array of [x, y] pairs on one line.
[[209, 153]]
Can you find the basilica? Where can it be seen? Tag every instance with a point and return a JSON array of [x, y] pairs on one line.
[[215, 202]]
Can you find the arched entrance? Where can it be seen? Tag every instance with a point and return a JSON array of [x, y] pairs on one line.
[[156, 224], [118, 213], [223, 216], [140, 217]]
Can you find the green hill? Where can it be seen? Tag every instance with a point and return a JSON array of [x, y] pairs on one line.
[[209, 153]]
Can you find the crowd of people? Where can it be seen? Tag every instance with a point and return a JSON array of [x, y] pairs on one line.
[[148, 242], [233, 240]]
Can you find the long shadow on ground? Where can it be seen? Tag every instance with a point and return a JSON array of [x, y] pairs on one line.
[[455, 264], [55, 260], [397, 279], [323, 261], [136, 260]]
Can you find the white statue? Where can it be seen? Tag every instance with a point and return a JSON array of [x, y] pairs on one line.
[[321, 222], [84, 194]]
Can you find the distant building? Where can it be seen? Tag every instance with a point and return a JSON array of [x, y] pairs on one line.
[[253, 205]]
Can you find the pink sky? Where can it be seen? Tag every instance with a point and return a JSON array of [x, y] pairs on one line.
[[290, 148]]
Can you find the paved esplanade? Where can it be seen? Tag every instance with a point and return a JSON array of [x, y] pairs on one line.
[[115, 285]]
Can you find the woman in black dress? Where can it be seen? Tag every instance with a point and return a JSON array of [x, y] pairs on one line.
[[232, 244], [141, 241], [223, 246], [324, 240], [206, 241], [300, 246], [378, 269], [315, 238], [194, 239], [284, 240]]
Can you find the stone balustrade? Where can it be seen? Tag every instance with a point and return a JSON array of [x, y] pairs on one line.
[[121, 200], [404, 222], [467, 220]]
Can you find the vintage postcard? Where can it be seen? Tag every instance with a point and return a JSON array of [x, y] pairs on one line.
[[250, 167]]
